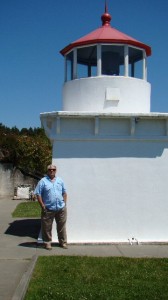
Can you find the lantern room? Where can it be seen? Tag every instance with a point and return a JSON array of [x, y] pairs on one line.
[[106, 70]]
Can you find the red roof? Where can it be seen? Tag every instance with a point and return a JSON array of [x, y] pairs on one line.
[[106, 34]]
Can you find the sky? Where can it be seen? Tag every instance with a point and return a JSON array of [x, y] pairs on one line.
[[32, 33]]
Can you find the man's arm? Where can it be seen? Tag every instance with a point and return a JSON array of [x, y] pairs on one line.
[[65, 198], [38, 192], [40, 201]]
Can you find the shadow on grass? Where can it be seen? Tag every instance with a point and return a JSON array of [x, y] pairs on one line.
[[25, 227]]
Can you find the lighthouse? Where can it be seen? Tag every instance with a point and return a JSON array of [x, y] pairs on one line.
[[108, 146]]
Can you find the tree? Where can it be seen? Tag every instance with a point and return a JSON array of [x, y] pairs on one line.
[[28, 149]]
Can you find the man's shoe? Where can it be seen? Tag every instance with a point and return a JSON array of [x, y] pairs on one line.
[[47, 246], [64, 246]]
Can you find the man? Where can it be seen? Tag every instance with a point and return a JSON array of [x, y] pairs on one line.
[[52, 197]]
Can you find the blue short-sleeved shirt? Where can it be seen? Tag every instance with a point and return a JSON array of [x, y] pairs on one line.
[[51, 192]]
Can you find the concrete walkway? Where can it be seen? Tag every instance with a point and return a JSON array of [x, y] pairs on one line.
[[19, 251]]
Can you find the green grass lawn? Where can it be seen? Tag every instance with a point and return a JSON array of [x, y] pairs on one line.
[[27, 209], [104, 278]]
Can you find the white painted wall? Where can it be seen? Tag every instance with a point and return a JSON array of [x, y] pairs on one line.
[[11, 178], [6, 180], [119, 194], [108, 94], [116, 172]]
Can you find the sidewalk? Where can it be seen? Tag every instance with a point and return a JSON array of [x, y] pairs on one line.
[[19, 251]]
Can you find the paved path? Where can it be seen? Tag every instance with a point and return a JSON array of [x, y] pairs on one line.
[[19, 251]]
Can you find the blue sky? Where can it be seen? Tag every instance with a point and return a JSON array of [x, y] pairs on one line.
[[32, 32]]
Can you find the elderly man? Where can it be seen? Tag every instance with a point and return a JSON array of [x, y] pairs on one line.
[[52, 197]]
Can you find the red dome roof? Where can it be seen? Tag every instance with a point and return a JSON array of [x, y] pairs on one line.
[[106, 34]]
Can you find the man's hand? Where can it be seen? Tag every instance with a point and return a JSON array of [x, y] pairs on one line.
[[44, 209]]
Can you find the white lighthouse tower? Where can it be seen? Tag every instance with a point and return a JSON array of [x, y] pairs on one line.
[[108, 146]]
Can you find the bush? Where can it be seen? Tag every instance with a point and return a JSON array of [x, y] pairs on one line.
[[27, 149]]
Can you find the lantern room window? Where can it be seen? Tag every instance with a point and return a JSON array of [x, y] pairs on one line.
[[112, 58], [107, 60], [135, 62], [86, 61], [69, 66]]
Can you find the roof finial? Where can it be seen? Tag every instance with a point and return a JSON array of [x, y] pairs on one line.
[[106, 17], [106, 7]]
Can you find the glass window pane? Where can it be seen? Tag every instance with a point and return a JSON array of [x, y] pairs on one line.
[[86, 61], [69, 62], [82, 71], [135, 62], [112, 60]]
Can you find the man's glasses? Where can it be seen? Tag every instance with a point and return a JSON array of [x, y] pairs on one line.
[[51, 169]]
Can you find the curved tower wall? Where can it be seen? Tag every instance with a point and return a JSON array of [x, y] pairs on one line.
[[107, 94]]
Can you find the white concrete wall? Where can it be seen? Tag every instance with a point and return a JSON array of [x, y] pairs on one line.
[[116, 173], [10, 178], [6, 180], [108, 94], [119, 194]]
